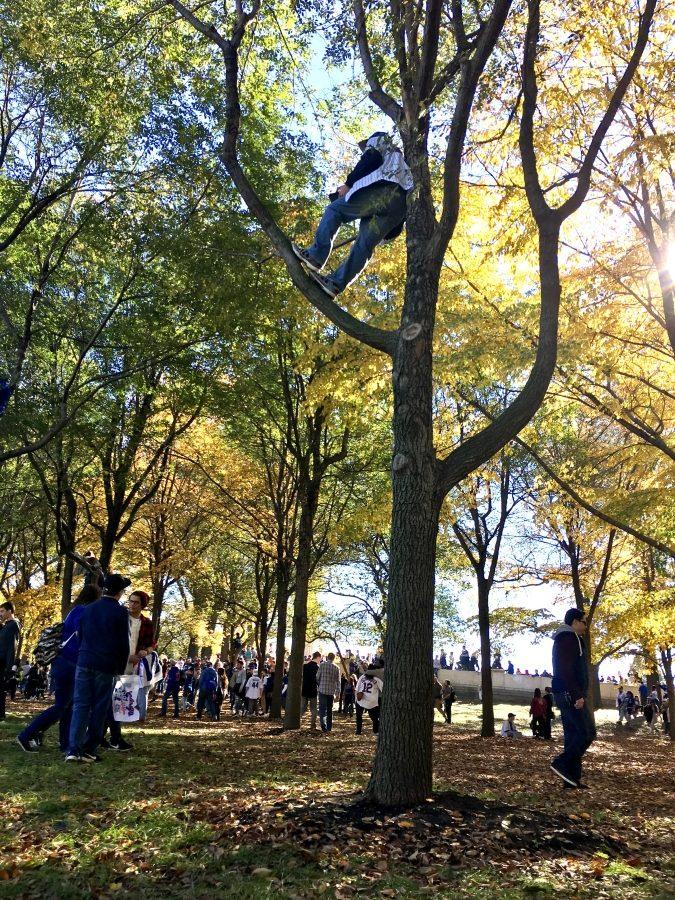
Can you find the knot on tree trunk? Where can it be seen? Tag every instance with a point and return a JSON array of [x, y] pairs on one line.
[[411, 331], [400, 462]]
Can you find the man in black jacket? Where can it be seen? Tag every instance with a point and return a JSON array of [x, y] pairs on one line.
[[9, 641], [104, 651], [570, 686], [309, 688]]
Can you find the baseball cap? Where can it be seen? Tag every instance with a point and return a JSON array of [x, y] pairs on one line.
[[362, 143], [114, 584]]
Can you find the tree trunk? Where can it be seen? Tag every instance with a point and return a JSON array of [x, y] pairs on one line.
[[157, 606], [667, 660], [280, 653], [402, 772], [595, 701], [299, 639], [487, 701], [192, 648], [67, 586], [107, 547]]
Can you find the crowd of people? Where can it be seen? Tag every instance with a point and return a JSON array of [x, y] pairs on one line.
[[103, 642], [470, 662], [247, 684], [100, 669]]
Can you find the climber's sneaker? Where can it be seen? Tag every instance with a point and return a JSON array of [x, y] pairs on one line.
[[326, 285], [304, 256]]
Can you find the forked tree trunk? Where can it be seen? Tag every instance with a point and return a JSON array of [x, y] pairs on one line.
[[488, 722]]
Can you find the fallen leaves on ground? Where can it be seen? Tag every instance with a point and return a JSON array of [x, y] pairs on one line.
[[198, 805]]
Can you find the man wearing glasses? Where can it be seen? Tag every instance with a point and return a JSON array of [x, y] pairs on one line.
[[570, 688]]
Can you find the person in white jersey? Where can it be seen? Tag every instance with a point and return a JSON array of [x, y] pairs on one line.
[[368, 692]]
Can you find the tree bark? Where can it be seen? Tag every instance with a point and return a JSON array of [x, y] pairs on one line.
[[487, 701], [280, 652], [667, 661], [402, 772], [157, 605], [309, 499], [595, 701], [67, 585]]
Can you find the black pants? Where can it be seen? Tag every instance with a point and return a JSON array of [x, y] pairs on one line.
[[3, 691], [374, 714], [538, 726], [447, 705], [173, 693], [115, 728], [546, 731]]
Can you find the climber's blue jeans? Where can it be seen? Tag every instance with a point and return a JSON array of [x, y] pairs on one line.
[[380, 208]]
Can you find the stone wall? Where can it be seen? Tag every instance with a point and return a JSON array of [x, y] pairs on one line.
[[514, 688]]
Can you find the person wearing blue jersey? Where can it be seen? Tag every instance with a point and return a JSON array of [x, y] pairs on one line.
[[63, 679]]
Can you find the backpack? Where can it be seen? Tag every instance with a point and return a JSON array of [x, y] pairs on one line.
[[49, 644]]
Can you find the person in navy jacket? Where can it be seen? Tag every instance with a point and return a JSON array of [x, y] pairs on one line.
[[570, 688], [104, 651]]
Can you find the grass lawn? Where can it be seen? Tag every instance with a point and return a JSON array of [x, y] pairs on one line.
[[239, 809]]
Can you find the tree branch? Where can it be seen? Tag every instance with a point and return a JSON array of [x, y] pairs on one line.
[[378, 338]]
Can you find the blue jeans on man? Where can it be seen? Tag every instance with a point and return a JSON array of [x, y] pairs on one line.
[[579, 733], [326, 711], [380, 208], [91, 701], [63, 683], [173, 692]]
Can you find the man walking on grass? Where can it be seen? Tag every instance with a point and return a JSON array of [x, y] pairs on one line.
[[570, 687], [328, 682]]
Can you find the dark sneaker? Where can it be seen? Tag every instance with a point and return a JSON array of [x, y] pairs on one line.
[[90, 757], [26, 746], [121, 746], [326, 285], [312, 264], [565, 777], [105, 744]]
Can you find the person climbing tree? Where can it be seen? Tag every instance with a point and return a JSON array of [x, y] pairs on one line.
[[375, 192]]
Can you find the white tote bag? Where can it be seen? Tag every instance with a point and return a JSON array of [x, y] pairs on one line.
[[125, 698]]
